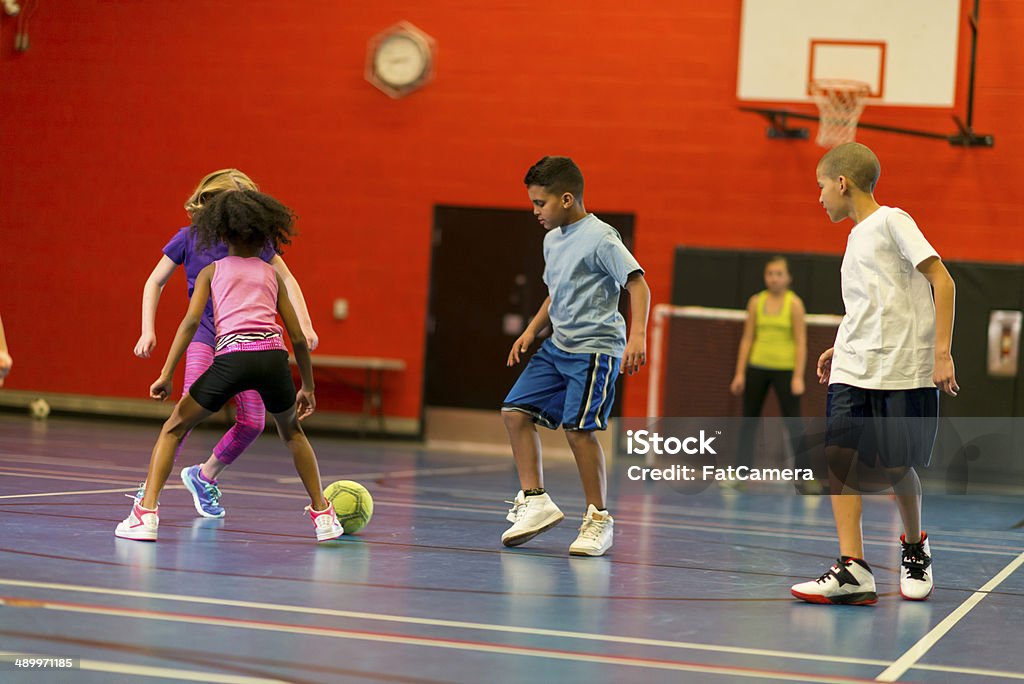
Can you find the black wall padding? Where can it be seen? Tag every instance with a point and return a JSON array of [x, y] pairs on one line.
[[726, 279]]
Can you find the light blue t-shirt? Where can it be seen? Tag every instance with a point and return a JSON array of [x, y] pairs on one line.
[[585, 268]]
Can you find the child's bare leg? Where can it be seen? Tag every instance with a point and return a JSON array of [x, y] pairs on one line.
[[522, 434], [847, 503], [907, 487], [187, 414], [590, 463], [302, 455], [846, 508]]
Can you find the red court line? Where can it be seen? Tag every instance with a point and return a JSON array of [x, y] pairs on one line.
[[435, 642]]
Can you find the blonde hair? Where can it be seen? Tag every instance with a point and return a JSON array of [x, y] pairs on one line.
[[215, 183]]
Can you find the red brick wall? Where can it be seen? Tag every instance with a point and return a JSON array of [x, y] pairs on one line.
[[119, 107]]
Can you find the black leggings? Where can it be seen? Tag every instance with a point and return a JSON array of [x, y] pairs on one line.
[[758, 381], [756, 391]]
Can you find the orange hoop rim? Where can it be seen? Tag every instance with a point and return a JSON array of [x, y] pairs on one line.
[[824, 86]]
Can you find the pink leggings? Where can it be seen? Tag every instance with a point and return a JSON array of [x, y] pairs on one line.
[[249, 411]]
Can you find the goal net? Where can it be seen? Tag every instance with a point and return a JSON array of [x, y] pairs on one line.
[[693, 359]]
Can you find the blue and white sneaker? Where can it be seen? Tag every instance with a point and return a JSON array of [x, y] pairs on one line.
[[205, 495]]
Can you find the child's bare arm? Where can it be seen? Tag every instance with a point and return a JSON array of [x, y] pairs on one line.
[[945, 299], [798, 315], [540, 321], [305, 399], [297, 301], [743, 354], [150, 298], [635, 354], [5, 358]]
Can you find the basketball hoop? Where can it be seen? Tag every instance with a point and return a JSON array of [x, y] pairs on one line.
[[840, 103]]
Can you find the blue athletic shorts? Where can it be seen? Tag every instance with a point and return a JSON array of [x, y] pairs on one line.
[[895, 428], [557, 387]]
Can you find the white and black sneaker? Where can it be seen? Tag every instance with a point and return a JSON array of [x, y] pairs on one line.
[[846, 582], [530, 515], [916, 569]]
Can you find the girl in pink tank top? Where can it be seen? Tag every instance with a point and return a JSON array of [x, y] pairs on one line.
[[249, 414], [247, 296]]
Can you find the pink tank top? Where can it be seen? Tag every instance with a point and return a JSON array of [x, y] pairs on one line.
[[244, 292]]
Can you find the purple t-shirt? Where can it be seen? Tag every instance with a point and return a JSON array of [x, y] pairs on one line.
[[182, 250]]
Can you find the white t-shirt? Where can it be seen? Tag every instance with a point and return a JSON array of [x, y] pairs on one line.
[[887, 337]]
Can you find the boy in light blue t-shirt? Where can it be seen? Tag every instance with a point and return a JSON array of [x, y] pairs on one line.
[[570, 381]]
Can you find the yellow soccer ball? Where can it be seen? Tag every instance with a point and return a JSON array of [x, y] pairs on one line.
[[352, 503]]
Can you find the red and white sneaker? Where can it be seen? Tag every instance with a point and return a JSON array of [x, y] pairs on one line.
[[849, 582], [140, 525], [326, 523], [916, 569]]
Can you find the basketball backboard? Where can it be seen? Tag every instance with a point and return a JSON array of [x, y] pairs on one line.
[[905, 50]]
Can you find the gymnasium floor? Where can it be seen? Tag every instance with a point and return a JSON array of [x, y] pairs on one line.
[[696, 588]]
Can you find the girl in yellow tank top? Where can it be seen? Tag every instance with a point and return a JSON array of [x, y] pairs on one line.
[[772, 355], [774, 336], [773, 346]]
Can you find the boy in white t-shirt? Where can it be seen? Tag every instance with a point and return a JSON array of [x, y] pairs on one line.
[[891, 357]]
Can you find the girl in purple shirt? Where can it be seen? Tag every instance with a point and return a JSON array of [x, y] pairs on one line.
[[250, 354], [183, 250]]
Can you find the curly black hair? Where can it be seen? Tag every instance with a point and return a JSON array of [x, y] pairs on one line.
[[244, 217]]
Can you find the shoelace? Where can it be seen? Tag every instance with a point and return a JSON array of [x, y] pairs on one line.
[[139, 493], [831, 572], [915, 560], [213, 492], [518, 509], [591, 528]]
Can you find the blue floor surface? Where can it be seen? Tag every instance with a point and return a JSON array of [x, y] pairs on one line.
[[695, 589]]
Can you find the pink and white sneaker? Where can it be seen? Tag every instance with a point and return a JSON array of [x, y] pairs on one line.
[[326, 523], [140, 524]]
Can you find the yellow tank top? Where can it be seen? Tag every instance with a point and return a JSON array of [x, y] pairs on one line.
[[774, 347]]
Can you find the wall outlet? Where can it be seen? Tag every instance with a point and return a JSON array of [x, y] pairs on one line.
[[340, 309]]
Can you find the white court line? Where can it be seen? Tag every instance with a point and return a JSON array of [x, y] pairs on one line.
[[414, 472], [435, 622], [917, 651], [161, 672], [87, 491], [950, 547], [434, 642], [694, 512], [490, 627]]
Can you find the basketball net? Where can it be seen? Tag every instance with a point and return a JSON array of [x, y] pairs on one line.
[[840, 103]]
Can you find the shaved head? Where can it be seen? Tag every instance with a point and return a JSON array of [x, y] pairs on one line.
[[856, 162]]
